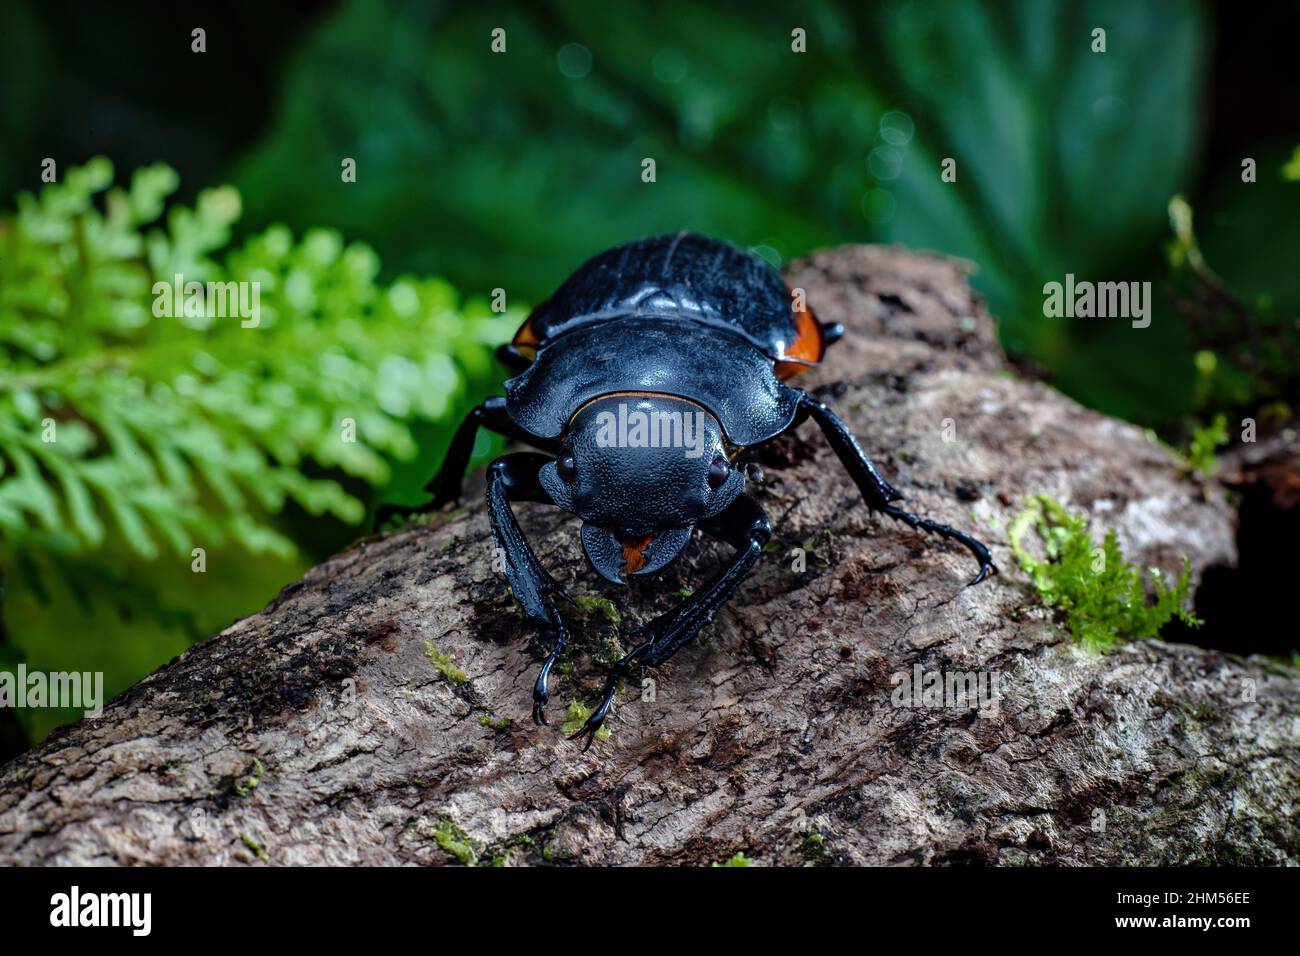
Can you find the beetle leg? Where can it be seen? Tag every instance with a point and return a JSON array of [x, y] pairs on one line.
[[445, 486], [832, 332], [877, 492], [744, 525], [541, 690], [514, 478]]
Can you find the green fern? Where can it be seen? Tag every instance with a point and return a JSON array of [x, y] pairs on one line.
[[192, 431], [1100, 597]]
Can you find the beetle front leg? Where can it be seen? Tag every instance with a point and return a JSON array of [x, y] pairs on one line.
[[514, 478], [876, 491], [744, 525], [445, 486]]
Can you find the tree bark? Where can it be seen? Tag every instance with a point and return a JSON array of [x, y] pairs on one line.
[[377, 711]]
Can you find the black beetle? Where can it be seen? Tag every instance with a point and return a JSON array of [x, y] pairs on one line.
[[643, 378]]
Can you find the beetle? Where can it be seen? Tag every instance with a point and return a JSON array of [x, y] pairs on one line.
[[640, 381]]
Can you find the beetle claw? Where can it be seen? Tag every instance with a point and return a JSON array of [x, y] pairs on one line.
[[591, 727], [541, 692], [594, 722], [987, 569]]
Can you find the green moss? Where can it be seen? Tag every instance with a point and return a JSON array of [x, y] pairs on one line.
[[587, 603], [438, 517], [500, 855], [815, 851], [444, 664], [249, 783], [496, 723], [256, 847], [399, 521], [608, 650], [738, 860], [1205, 439], [820, 556], [1099, 596], [578, 714], [685, 592], [455, 841]]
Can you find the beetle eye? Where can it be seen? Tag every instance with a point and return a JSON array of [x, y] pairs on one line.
[[567, 468], [718, 472]]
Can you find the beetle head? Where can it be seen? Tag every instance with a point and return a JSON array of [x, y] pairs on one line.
[[641, 470]]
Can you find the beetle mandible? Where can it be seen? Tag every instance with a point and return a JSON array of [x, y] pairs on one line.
[[643, 378]]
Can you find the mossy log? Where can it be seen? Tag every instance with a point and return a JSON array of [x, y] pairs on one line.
[[377, 711]]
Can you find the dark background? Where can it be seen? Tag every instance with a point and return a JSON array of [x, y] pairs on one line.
[[285, 87]]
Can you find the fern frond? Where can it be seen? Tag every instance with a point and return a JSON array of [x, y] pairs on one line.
[[189, 430]]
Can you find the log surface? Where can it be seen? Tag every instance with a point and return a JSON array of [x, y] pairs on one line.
[[377, 712]]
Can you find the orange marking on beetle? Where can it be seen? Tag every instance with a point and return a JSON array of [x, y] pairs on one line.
[[526, 341], [808, 346], [634, 553]]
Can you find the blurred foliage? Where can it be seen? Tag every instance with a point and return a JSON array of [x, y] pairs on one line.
[[1100, 597], [123, 430], [1065, 157], [1240, 296]]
